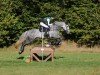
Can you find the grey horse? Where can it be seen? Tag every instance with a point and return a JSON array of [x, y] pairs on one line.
[[30, 35]]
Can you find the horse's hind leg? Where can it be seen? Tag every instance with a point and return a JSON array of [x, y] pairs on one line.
[[21, 39], [21, 49], [18, 43]]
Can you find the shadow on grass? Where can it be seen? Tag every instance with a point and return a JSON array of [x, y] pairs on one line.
[[59, 57], [21, 57], [40, 57]]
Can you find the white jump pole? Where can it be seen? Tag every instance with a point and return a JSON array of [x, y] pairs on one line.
[[42, 49]]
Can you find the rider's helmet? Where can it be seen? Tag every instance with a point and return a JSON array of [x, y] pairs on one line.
[[47, 20]]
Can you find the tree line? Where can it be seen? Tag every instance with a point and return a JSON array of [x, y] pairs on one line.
[[83, 16]]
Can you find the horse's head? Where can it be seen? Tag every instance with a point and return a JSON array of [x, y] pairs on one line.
[[65, 27]]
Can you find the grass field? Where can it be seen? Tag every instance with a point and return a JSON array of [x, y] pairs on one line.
[[78, 61]]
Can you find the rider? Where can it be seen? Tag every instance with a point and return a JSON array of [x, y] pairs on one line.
[[45, 25]]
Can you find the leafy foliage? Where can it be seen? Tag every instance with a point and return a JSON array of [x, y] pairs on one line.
[[17, 16]]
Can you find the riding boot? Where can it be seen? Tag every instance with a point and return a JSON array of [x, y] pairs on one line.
[[46, 34]]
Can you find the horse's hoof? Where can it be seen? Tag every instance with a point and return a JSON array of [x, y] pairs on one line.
[[19, 52]]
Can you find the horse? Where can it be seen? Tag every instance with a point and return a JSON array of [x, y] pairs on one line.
[[30, 35]]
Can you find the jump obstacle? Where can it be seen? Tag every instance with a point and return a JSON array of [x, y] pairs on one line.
[[48, 51]]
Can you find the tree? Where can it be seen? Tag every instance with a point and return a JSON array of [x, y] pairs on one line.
[[17, 16]]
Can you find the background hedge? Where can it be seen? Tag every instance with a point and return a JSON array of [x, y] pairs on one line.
[[17, 16]]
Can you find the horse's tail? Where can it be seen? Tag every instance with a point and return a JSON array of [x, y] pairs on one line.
[[18, 43]]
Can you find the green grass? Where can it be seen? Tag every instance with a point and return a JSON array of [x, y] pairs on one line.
[[65, 63]]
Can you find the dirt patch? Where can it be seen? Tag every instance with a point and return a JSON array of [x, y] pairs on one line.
[[67, 46], [72, 47]]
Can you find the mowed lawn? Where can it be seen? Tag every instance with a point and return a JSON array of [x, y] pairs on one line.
[[65, 63]]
